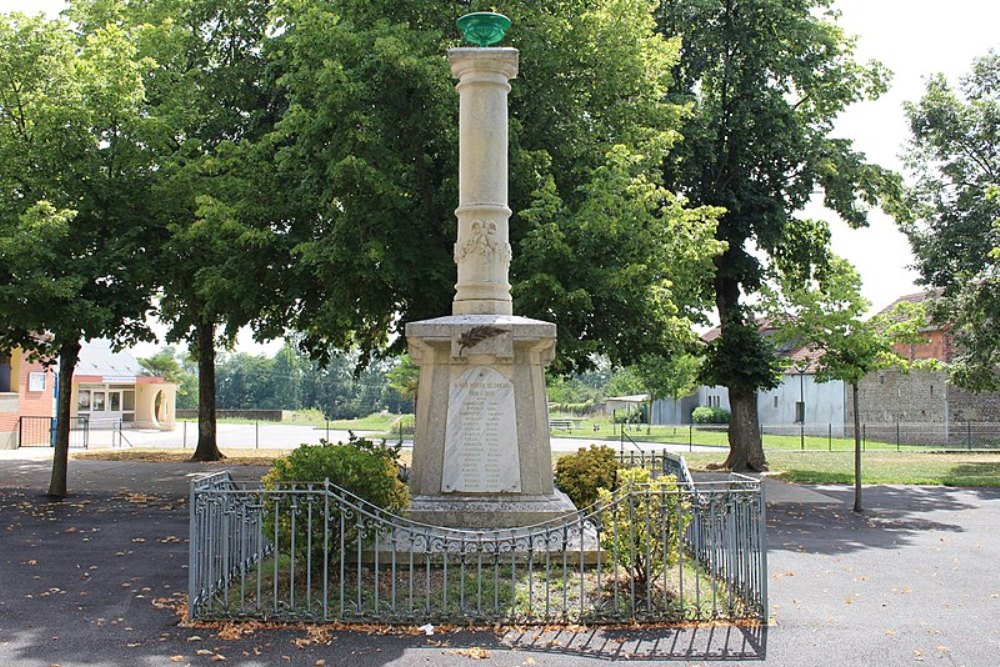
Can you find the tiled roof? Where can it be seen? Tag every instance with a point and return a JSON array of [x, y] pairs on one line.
[[97, 358]]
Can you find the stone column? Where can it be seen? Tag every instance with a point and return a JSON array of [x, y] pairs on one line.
[[481, 452], [483, 252]]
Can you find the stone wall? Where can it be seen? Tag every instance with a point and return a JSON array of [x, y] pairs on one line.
[[922, 408], [889, 396]]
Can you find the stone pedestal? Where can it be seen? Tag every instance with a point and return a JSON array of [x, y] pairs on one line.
[[481, 453]]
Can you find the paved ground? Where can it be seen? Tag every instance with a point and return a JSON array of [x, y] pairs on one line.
[[89, 581]]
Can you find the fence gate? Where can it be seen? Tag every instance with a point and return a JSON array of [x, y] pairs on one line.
[[41, 432]]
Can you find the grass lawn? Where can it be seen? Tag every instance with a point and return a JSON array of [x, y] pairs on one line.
[[881, 467], [926, 468]]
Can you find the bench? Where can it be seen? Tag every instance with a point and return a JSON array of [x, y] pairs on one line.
[[563, 424]]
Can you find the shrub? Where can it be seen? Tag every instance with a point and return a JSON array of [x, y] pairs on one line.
[[405, 425], [575, 409], [365, 468], [643, 520], [579, 475], [704, 414]]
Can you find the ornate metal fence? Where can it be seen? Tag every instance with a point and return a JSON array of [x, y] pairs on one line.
[[315, 552]]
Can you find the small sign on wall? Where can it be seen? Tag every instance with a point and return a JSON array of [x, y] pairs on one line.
[[36, 381]]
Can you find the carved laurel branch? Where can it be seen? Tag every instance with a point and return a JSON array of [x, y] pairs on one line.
[[477, 335]]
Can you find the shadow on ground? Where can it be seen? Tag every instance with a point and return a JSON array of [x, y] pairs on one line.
[[892, 517]]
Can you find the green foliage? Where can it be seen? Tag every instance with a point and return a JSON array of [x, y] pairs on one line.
[[166, 365], [404, 377], [953, 214], [369, 140], [625, 382], [290, 381], [741, 357], [579, 475], [766, 80], [562, 390], [704, 414], [363, 467], [827, 317], [578, 409], [644, 519], [78, 152]]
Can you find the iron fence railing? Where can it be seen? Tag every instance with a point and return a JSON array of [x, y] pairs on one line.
[[315, 552], [658, 462], [953, 435], [41, 432]]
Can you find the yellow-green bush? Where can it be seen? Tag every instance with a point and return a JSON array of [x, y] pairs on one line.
[[643, 519], [579, 475]]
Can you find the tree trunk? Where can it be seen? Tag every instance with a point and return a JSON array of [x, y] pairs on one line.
[[69, 353], [857, 449], [207, 449], [649, 414], [746, 451]]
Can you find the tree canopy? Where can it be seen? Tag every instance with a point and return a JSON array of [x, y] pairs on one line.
[[78, 156], [368, 150], [765, 80], [953, 217]]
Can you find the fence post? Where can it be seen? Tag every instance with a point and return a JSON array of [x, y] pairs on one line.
[[256, 433], [690, 437], [897, 434], [328, 430], [184, 442], [864, 436], [829, 437], [968, 434]]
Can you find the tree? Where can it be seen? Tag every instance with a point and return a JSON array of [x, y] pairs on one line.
[[219, 251], [166, 365], [953, 217], [404, 378], [369, 144], [77, 156], [674, 376], [826, 315], [766, 80]]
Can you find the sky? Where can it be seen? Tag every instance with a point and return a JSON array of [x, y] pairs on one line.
[[914, 39]]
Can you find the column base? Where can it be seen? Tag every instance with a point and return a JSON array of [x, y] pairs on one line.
[[487, 512]]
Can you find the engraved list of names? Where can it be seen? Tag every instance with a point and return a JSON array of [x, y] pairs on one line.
[[480, 452]]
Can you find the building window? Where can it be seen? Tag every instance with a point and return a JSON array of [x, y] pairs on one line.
[[83, 401], [36, 382], [4, 372], [775, 401]]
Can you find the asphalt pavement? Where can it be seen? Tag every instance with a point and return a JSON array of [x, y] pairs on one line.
[[96, 579]]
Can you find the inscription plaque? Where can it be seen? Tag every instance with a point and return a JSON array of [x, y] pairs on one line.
[[480, 452]]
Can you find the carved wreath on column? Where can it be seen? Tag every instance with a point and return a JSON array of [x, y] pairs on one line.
[[482, 241]]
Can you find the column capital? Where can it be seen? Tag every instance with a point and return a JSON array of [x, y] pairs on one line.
[[501, 60]]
